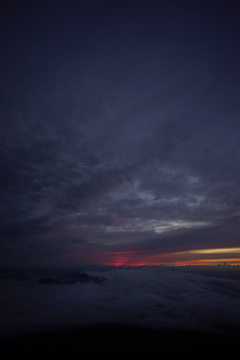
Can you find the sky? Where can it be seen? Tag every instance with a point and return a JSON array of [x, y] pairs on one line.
[[119, 141]]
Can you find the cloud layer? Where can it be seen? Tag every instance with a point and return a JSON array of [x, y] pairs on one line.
[[118, 127], [151, 297]]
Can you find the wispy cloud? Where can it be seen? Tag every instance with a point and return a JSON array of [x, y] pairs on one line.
[[126, 129]]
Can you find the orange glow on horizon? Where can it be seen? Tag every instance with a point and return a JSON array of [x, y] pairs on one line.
[[123, 261], [229, 261], [140, 258]]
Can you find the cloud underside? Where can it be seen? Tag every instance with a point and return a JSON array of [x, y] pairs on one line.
[[116, 145], [62, 188]]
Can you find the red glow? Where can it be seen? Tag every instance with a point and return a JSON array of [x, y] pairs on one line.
[[122, 258], [138, 258]]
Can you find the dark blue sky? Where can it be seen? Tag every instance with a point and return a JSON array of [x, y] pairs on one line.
[[119, 132]]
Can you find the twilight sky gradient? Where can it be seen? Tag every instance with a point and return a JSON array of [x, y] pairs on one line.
[[120, 132]]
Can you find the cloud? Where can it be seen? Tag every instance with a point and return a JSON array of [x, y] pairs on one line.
[[152, 297], [123, 142]]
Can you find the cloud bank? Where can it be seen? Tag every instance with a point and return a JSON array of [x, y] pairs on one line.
[[150, 297], [119, 126]]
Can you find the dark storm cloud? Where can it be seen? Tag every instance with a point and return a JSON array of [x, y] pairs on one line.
[[122, 131]]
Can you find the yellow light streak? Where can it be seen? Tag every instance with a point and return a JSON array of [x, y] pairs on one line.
[[212, 251]]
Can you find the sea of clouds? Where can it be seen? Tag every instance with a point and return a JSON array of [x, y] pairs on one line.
[[151, 297]]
